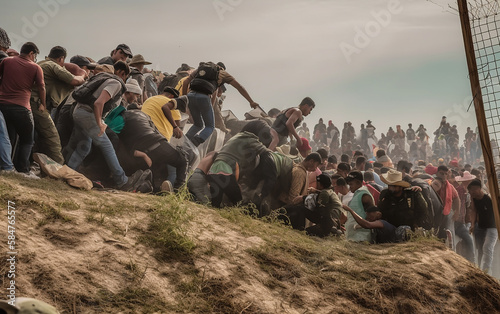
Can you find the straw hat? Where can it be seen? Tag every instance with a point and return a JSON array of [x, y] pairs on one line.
[[466, 177], [138, 59], [393, 177]]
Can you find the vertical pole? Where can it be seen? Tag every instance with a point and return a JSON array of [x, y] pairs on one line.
[[479, 107]]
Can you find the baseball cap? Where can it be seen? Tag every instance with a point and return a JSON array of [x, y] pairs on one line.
[[126, 49], [325, 180], [82, 61], [172, 91], [354, 175], [305, 145]]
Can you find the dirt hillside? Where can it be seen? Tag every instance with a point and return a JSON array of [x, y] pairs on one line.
[[114, 252]]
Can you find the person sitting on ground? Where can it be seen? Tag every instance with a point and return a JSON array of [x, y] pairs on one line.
[[324, 210], [120, 53], [384, 231], [299, 184], [286, 122], [402, 206], [361, 200]]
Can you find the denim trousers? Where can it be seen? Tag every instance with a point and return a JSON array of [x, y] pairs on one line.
[[87, 130], [462, 232], [19, 120], [485, 244], [5, 146], [202, 113]]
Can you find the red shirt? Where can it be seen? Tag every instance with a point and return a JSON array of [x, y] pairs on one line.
[[18, 75]]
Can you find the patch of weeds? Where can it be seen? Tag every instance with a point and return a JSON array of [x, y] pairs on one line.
[[213, 295], [67, 205], [167, 230], [92, 218], [131, 298], [51, 214]]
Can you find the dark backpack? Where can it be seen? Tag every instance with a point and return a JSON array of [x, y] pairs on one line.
[[206, 79], [85, 93]]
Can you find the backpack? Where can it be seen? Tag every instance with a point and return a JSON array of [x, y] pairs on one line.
[[435, 206], [85, 93], [206, 79]]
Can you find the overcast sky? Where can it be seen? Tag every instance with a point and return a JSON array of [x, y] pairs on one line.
[[390, 61]]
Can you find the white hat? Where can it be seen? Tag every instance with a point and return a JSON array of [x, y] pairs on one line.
[[133, 87]]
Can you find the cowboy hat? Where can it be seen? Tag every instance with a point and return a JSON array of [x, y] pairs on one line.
[[466, 177], [393, 177], [138, 59]]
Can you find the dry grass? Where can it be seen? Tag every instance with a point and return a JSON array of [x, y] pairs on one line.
[[104, 252]]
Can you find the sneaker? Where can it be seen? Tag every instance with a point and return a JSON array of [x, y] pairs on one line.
[[30, 175], [11, 171], [166, 186], [145, 187], [132, 180], [146, 177]]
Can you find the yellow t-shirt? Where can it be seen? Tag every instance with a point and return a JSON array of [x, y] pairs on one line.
[[180, 84], [152, 107]]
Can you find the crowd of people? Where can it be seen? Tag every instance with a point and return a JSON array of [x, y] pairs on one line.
[[115, 121]]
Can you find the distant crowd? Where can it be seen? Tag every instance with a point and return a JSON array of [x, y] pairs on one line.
[[126, 127]]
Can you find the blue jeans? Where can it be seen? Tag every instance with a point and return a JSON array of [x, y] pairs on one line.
[[19, 120], [485, 244], [202, 113], [87, 130], [462, 232], [5, 146]]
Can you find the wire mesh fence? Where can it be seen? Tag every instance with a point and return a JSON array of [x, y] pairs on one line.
[[485, 28]]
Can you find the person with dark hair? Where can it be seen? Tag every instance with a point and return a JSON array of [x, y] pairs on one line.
[[238, 157], [17, 76], [312, 175], [483, 226], [59, 83], [288, 120], [321, 207], [4, 44], [120, 53], [385, 232], [164, 112], [142, 140], [90, 128], [202, 84], [331, 163], [343, 169], [361, 200], [345, 158], [449, 198], [299, 184], [384, 159]]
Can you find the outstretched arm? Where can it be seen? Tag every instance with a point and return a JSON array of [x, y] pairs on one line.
[[377, 224], [244, 93]]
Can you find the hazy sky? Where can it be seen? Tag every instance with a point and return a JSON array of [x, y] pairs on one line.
[[390, 61]]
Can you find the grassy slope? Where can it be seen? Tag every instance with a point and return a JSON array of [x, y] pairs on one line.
[[103, 252]]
